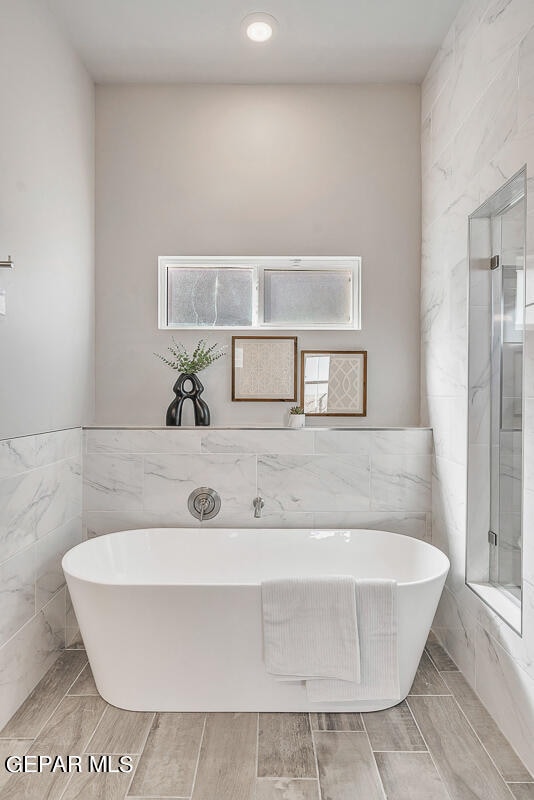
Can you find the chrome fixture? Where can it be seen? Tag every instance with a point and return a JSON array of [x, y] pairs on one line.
[[204, 503], [8, 264], [258, 505]]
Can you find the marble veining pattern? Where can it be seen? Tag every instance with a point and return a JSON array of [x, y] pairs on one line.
[[17, 592], [49, 551], [35, 502], [40, 519], [169, 480], [113, 482], [141, 441], [307, 478], [16, 455], [400, 482], [477, 132], [506, 688], [257, 442], [27, 655], [314, 483]]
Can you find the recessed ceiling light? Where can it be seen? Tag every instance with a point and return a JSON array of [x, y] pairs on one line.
[[259, 27]]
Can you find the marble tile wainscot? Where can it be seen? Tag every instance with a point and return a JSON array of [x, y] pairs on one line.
[[40, 519], [356, 477], [477, 132]]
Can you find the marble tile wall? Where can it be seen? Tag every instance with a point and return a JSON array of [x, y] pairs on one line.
[[352, 478], [40, 519], [477, 131]]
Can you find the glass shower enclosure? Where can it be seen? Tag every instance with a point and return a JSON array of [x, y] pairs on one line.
[[495, 421], [507, 283]]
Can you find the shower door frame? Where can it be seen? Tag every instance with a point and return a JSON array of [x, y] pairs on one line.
[[477, 577]]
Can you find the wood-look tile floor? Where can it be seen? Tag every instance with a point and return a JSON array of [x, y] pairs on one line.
[[439, 744]]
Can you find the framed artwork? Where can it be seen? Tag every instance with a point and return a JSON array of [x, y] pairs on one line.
[[264, 368], [333, 383]]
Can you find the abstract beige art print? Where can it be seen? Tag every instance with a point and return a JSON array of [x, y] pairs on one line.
[[334, 383], [264, 368]]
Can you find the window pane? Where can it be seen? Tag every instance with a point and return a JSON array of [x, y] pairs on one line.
[[311, 368], [315, 398], [324, 368], [207, 296], [308, 297]]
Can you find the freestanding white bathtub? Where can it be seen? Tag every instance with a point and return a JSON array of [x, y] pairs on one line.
[[171, 618]]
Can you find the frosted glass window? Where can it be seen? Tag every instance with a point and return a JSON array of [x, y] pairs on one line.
[[308, 297], [210, 297], [269, 292]]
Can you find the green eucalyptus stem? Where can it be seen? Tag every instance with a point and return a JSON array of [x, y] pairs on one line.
[[202, 356]]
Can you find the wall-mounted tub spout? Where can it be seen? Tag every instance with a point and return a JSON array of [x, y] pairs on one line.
[[258, 505]]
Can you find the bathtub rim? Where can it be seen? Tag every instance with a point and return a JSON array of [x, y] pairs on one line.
[[76, 574]]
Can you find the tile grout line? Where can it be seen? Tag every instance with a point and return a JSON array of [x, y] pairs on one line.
[[314, 748], [33, 616], [118, 753], [256, 460], [429, 751], [64, 605], [429, 654], [201, 741], [292, 777], [39, 467], [464, 715], [319, 730], [79, 673], [139, 755], [362, 715], [32, 544], [40, 730], [257, 752], [16, 739], [370, 483], [406, 752], [88, 740], [496, 645]]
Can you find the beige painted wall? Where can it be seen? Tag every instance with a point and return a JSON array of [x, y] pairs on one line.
[[240, 170], [46, 224]]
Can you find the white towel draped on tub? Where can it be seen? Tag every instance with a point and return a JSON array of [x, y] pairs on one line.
[[336, 633], [310, 628]]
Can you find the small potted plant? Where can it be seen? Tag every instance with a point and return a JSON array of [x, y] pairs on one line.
[[187, 385], [297, 417]]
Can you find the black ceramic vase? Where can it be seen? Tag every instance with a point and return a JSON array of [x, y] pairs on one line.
[[174, 412]]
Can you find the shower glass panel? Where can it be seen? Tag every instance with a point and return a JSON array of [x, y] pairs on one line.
[[495, 421], [506, 390]]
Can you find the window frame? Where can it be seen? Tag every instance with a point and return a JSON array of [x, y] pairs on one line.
[[261, 264]]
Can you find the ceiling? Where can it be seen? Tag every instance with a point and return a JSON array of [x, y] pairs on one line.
[[200, 41]]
